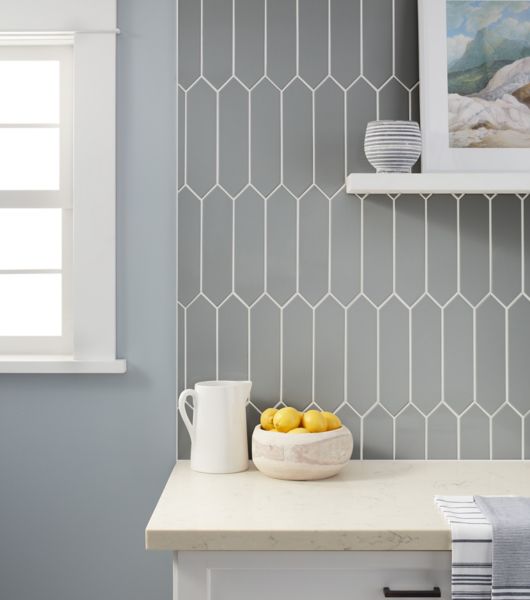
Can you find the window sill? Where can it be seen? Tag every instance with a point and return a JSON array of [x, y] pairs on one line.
[[59, 364]]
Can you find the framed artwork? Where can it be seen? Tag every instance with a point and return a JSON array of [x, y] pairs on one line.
[[475, 85]]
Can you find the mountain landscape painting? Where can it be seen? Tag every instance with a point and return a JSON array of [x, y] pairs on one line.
[[488, 56]]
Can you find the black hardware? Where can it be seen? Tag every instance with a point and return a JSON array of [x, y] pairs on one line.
[[434, 593]]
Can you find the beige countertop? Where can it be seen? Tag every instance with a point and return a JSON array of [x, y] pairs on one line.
[[370, 505]]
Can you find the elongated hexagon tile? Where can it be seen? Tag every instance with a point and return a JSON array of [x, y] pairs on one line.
[[265, 353], [491, 355], [415, 108], [201, 138], [426, 355], [217, 40], [506, 247], [249, 245], [377, 40], [506, 434], [181, 148], [519, 353], [281, 245], [265, 141], [253, 419], [189, 43], [410, 247], [297, 354], [281, 40], [313, 245], [361, 348], [442, 435], [361, 107], [406, 41], [378, 247], [474, 247], [378, 435], [345, 40], [394, 355], [313, 40], [474, 435], [410, 434], [393, 101], [249, 40], [526, 205], [329, 355], [527, 437], [233, 137], [297, 137], [233, 340], [200, 342], [442, 235], [353, 423], [217, 249], [189, 246], [181, 347]]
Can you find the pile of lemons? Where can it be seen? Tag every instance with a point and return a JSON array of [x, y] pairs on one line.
[[290, 420]]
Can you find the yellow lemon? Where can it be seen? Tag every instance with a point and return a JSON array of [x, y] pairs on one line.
[[266, 418], [314, 421], [298, 430], [333, 422], [286, 419]]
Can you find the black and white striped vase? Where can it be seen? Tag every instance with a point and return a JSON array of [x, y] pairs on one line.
[[392, 146]]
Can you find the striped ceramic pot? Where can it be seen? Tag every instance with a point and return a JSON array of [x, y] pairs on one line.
[[392, 146]]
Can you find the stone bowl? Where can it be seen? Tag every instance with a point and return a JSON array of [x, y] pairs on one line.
[[303, 456]]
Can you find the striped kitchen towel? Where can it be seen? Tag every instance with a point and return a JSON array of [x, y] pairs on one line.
[[471, 566]]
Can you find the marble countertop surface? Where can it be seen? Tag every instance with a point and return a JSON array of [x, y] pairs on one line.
[[370, 505]]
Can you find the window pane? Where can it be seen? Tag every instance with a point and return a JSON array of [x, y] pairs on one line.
[[30, 305], [29, 159], [29, 91]]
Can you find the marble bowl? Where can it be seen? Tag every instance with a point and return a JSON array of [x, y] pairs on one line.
[[302, 456]]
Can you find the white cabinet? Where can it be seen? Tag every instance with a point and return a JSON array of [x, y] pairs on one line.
[[309, 575]]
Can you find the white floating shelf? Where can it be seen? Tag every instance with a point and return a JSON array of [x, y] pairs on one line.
[[438, 183]]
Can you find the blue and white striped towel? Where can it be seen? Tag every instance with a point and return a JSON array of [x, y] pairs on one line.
[[471, 547]]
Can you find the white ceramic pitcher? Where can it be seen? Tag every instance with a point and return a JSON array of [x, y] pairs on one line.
[[219, 429]]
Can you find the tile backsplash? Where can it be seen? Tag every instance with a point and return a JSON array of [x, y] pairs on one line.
[[407, 315]]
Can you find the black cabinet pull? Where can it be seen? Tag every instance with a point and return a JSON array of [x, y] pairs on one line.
[[434, 593]]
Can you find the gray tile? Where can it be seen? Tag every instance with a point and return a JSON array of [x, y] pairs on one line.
[[181, 347], [474, 435], [189, 246], [410, 435], [491, 349], [506, 435], [527, 438], [506, 247], [394, 356], [297, 354], [426, 355], [361, 348], [313, 246], [526, 209], [265, 144], [249, 245], [200, 342], [189, 43], [378, 247], [217, 40], [393, 101], [442, 247], [345, 42], [281, 40], [474, 247], [377, 40], [233, 137], [406, 41], [361, 107], [329, 137], [353, 423], [281, 245], [410, 247], [265, 353], [249, 40], [297, 137], [253, 417], [519, 353], [233, 340], [184, 444], [415, 106], [217, 245], [201, 138], [181, 148], [313, 40], [442, 432], [458, 355], [378, 435], [329, 355]]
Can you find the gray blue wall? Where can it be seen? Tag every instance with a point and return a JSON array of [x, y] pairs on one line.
[[403, 314], [84, 458]]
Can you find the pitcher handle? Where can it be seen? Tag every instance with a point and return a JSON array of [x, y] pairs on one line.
[[182, 409]]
